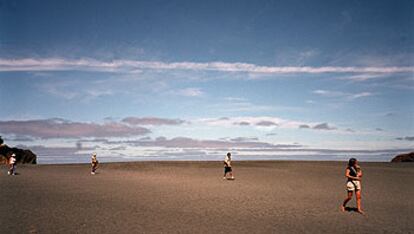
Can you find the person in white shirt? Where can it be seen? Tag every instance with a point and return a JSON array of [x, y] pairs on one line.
[[227, 167], [12, 165]]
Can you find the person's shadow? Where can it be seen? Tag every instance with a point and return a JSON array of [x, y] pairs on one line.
[[351, 209]]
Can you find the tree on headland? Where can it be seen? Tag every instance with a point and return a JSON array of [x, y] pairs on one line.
[[1, 140]]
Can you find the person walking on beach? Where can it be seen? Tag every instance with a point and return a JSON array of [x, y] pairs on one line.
[[354, 174], [227, 167], [94, 163], [12, 165]]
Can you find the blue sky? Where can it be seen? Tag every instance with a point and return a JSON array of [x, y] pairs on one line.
[[137, 80]]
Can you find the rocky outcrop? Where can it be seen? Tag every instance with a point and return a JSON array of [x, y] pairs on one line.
[[404, 158], [22, 155]]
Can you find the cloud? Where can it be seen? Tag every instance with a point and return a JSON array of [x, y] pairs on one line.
[[118, 148], [145, 138], [323, 126], [152, 121], [407, 138], [231, 105], [244, 139], [73, 89], [338, 94], [52, 151], [73, 154], [235, 99], [242, 123], [186, 142], [20, 138], [359, 95], [60, 128], [364, 77], [389, 114], [87, 64], [189, 92], [324, 151], [95, 140], [329, 93], [266, 123]]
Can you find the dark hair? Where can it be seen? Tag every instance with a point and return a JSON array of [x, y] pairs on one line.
[[229, 154], [352, 162]]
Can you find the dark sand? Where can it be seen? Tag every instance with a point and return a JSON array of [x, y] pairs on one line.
[[172, 197]]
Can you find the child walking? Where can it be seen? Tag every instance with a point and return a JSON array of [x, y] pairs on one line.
[[94, 163], [354, 175]]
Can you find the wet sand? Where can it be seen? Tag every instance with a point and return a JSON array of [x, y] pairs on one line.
[[192, 197]]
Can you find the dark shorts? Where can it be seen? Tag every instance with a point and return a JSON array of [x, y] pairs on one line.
[[227, 169]]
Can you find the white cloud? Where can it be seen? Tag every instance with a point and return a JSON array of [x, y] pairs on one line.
[[155, 121], [329, 93], [189, 92], [363, 77], [338, 94], [268, 123], [359, 95], [71, 89], [59, 64], [61, 128], [264, 122], [228, 105], [242, 106], [235, 99]]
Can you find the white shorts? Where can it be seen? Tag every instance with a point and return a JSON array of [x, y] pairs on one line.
[[353, 185]]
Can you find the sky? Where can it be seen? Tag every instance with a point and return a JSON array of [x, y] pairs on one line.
[[192, 80]]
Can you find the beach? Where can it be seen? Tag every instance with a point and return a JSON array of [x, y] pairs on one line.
[[192, 197]]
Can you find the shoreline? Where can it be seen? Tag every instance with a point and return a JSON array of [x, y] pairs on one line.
[[212, 161]]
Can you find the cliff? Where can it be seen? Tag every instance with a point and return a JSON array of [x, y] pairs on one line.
[[404, 158], [22, 155]]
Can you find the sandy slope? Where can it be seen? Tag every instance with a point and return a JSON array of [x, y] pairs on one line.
[[171, 197]]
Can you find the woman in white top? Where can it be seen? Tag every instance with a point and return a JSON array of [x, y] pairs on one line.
[[353, 174]]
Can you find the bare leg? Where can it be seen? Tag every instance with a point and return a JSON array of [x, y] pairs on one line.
[[347, 199], [358, 199], [11, 169], [93, 170]]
